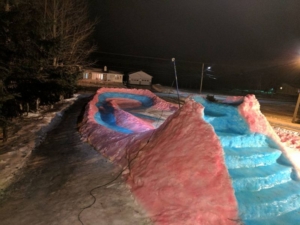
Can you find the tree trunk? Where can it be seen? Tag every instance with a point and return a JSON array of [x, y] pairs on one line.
[[37, 105], [27, 108], [7, 8], [4, 130], [54, 28]]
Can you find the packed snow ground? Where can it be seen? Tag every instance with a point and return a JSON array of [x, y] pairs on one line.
[[31, 130]]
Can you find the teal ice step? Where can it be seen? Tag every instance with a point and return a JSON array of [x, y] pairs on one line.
[[233, 140], [269, 203], [250, 156], [290, 218], [255, 179]]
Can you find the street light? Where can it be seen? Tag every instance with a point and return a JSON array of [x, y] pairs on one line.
[[202, 74]]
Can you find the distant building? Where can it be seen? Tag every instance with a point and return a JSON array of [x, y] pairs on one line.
[[287, 89], [139, 78], [102, 75]]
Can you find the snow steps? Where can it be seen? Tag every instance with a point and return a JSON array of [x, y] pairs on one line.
[[250, 157], [262, 180], [265, 184], [279, 220], [269, 203], [257, 178]]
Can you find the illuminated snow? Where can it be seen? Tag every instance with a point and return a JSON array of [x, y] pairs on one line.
[[175, 162]]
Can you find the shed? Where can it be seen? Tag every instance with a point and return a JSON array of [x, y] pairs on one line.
[[140, 78]]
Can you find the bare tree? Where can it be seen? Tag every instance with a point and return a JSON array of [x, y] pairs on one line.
[[67, 22]]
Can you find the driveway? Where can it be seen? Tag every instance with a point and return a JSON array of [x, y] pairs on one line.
[[55, 186]]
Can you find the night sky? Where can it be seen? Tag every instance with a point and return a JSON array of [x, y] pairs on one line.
[[253, 33]]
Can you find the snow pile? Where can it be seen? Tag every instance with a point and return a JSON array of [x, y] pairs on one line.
[[177, 171], [290, 138], [250, 110], [180, 176], [174, 171], [112, 130]]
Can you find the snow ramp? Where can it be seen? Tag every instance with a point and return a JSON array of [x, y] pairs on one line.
[[265, 183]]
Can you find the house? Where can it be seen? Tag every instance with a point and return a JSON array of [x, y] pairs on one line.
[[139, 78], [102, 75], [287, 89]]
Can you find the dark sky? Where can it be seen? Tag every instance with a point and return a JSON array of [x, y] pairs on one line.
[[239, 36], [211, 30]]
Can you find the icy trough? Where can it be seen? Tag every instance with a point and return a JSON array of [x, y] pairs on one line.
[[205, 163]]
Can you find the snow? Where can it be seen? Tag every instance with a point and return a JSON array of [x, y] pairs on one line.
[[176, 170], [172, 174], [33, 130], [176, 175]]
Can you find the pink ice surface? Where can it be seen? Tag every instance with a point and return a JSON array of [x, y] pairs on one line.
[[125, 103], [180, 176], [113, 144], [127, 120], [177, 171]]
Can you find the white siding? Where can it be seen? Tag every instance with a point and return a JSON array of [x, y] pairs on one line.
[[99, 75]]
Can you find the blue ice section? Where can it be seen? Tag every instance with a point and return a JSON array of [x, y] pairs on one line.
[[265, 184], [106, 116], [224, 118]]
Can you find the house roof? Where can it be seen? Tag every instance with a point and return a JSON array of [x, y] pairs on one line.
[[140, 74]]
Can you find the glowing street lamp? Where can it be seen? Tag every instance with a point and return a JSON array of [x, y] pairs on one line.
[[202, 74]]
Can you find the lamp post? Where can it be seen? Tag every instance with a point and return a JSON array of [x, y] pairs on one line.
[[175, 72], [202, 74], [294, 120], [201, 82]]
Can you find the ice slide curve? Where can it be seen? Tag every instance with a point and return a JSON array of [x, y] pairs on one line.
[[266, 187], [264, 183]]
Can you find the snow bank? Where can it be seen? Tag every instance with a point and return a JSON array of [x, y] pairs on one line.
[[180, 176], [250, 110], [177, 171]]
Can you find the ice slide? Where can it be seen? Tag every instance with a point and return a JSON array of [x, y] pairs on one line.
[[179, 177], [266, 187]]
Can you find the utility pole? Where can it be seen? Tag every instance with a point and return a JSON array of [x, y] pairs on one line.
[[173, 60], [202, 73], [294, 120]]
